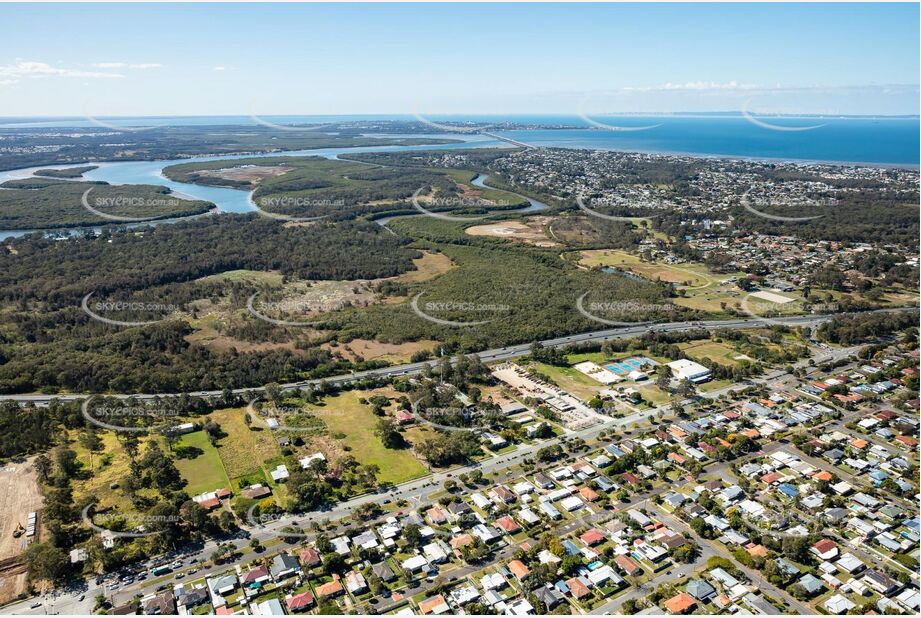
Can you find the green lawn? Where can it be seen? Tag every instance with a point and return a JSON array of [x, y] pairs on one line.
[[343, 414], [204, 472]]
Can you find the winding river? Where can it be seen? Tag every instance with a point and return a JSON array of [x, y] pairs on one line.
[[226, 199]]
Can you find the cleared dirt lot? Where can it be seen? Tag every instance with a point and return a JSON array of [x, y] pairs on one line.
[[19, 494], [529, 231]]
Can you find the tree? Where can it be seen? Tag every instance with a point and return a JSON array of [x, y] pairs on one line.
[[43, 467], [389, 431], [663, 377], [45, 561]]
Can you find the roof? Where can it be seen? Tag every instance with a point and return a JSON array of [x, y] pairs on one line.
[[329, 588], [299, 601], [681, 603], [518, 569], [434, 605]]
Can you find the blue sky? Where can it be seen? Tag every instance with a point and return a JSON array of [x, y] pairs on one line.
[[164, 59]]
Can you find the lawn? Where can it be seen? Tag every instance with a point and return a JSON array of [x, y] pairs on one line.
[[715, 351], [571, 380], [204, 471], [244, 451], [344, 415]]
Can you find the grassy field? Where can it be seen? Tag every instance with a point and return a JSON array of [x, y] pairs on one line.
[[691, 276], [97, 485], [244, 451], [571, 380], [345, 415], [205, 471], [717, 352]]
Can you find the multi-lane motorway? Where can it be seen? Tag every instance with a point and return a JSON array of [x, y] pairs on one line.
[[489, 356]]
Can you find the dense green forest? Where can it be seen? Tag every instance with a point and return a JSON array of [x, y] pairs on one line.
[[38, 203]]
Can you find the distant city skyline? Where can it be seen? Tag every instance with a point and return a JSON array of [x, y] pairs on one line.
[[449, 59]]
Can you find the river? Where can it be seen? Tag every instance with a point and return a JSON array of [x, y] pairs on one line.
[[226, 199]]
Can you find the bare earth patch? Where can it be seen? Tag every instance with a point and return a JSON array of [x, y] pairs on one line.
[[247, 173], [529, 230], [375, 350], [20, 494]]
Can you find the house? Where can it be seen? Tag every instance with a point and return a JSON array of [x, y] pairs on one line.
[[163, 603], [299, 602], [271, 607], [355, 582], [310, 557], [592, 537], [825, 549], [577, 588], [838, 604], [628, 565], [549, 596], [700, 590], [284, 565], [518, 569], [255, 577], [464, 594], [436, 515], [255, 492], [330, 589], [280, 473], [509, 525], [383, 571], [881, 583], [192, 598], [681, 603], [434, 605], [435, 553], [415, 564], [811, 584]]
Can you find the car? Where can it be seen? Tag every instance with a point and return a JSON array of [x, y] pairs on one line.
[[82, 596], [35, 605], [179, 575]]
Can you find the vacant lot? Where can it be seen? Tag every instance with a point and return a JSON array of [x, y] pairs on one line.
[[243, 451], [717, 352], [691, 276], [527, 230], [199, 463], [353, 424], [19, 494]]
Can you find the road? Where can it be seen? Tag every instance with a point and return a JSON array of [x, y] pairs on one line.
[[489, 356]]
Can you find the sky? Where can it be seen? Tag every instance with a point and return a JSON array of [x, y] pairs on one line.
[[167, 59]]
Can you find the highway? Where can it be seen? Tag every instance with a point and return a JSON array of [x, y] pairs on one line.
[[489, 356]]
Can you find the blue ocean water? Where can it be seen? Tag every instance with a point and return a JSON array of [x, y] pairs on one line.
[[874, 141]]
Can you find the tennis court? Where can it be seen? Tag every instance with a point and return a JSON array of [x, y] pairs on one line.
[[627, 365]]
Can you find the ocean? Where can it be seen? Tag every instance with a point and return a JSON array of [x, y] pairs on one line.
[[883, 141]]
